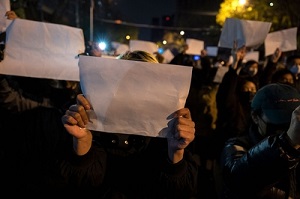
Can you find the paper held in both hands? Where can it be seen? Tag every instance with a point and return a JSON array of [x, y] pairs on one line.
[[133, 97]]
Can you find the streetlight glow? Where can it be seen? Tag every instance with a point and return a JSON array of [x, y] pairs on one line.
[[242, 2], [102, 45]]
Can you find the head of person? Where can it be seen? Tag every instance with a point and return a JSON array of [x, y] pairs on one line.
[[246, 90], [138, 55], [283, 76], [250, 68], [272, 107], [293, 63]]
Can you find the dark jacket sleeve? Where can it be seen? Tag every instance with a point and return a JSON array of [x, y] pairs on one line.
[[85, 171], [252, 170], [226, 95], [180, 180], [266, 75]]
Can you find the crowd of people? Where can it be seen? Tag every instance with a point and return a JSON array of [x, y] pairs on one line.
[[238, 138]]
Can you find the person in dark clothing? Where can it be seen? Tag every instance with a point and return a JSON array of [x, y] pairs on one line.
[[293, 64], [30, 167], [100, 165], [182, 58], [233, 99], [202, 105], [283, 76], [273, 64], [264, 162]]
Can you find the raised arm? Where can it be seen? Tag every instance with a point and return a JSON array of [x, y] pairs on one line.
[[74, 121], [183, 135]]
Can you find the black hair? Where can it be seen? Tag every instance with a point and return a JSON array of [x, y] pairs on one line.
[[250, 63], [279, 74], [290, 59]]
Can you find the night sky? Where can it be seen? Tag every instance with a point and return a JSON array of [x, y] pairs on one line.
[[141, 11]]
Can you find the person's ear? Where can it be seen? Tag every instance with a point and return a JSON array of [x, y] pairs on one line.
[[254, 116]]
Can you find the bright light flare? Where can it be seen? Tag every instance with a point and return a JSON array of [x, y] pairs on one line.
[[102, 45], [242, 2]]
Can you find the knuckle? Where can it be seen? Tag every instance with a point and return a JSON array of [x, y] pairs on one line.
[[77, 116]]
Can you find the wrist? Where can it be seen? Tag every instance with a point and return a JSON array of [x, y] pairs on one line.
[[176, 156], [82, 145]]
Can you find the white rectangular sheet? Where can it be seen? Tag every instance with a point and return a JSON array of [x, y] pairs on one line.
[[252, 55], [285, 40], [195, 46], [245, 32], [42, 50], [133, 97]]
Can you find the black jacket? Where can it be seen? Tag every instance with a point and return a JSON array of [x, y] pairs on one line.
[[256, 167], [139, 169]]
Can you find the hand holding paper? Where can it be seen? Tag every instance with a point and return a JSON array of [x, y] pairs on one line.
[[133, 97]]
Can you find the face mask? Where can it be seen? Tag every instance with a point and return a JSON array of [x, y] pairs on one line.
[[253, 72], [246, 97], [272, 129], [295, 69]]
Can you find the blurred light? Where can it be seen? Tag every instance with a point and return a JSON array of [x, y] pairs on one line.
[[167, 18], [118, 21], [196, 57], [164, 42], [127, 37], [102, 45], [160, 51], [242, 2], [271, 4], [182, 32]]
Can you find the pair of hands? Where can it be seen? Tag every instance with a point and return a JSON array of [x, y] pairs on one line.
[[76, 118]]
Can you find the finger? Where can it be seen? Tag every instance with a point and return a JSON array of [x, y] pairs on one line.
[[186, 128], [81, 100], [66, 119], [79, 113], [185, 136], [76, 116], [184, 112], [185, 122]]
